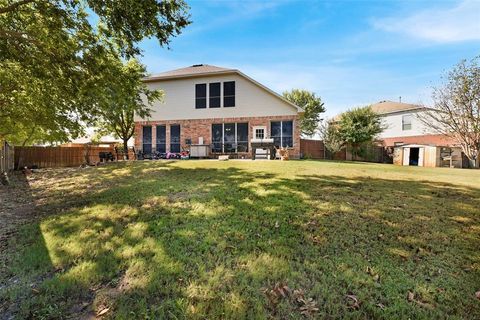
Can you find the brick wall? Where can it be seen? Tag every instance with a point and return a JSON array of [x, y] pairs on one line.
[[195, 128]]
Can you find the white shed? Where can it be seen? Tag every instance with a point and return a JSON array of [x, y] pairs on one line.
[[427, 156]]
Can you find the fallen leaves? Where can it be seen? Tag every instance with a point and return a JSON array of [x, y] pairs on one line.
[[375, 275], [280, 290], [352, 301], [412, 297], [102, 312], [477, 295], [307, 306]]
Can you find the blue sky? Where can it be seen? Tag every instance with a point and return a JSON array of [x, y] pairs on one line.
[[350, 53]]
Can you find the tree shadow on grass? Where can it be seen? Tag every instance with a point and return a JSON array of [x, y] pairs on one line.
[[167, 241]]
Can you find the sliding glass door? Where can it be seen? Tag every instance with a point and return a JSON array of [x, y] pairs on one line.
[[161, 139], [147, 140], [175, 138]]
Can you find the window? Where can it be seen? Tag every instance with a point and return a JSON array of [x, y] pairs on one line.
[[175, 138], [217, 137], [161, 139], [147, 140], [229, 94], [229, 145], [407, 122], [276, 133], [242, 137], [214, 98], [201, 96], [282, 133], [230, 137], [287, 134], [259, 132]]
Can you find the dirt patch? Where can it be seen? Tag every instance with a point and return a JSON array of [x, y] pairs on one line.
[[17, 207]]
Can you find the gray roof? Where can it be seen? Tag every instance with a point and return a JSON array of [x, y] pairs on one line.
[[195, 70], [385, 107]]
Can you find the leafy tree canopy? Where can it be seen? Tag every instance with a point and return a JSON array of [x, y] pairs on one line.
[[51, 69], [456, 108], [359, 125], [312, 106], [125, 96], [329, 131]]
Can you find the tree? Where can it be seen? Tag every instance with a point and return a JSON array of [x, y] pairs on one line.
[[358, 126], [126, 96], [312, 108], [330, 133], [49, 51], [456, 108]]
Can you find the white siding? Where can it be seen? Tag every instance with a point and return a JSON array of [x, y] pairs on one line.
[[393, 122], [250, 100]]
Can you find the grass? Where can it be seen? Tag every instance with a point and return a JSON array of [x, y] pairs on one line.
[[248, 240]]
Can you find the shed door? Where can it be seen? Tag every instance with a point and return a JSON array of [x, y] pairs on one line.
[[406, 156], [421, 152]]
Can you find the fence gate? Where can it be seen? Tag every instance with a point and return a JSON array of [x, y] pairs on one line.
[[6, 157]]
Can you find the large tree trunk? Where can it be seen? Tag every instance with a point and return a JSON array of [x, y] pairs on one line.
[[474, 163], [125, 149]]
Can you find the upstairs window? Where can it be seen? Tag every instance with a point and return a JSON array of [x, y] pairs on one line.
[[407, 122], [201, 96], [214, 91], [229, 94]]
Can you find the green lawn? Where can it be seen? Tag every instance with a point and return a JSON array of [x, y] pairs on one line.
[[247, 240]]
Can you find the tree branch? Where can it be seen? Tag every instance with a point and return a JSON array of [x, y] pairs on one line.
[[14, 6]]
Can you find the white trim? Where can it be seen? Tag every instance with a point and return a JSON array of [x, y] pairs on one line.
[[254, 131]]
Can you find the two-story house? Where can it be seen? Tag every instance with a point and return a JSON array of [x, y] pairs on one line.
[[222, 109], [404, 125], [413, 141]]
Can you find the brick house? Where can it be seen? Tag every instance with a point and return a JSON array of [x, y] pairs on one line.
[[404, 125], [415, 143], [222, 109]]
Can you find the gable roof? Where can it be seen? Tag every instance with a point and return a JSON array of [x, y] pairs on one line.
[[386, 107], [195, 70], [200, 70]]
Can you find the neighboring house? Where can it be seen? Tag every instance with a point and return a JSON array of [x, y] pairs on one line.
[[414, 142], [404, 125], [218, 108]]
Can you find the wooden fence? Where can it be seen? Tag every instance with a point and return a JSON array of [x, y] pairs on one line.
[[6, 157], [313, 149], [48, 157]]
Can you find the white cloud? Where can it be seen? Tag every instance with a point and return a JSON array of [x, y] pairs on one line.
[[460, 23]]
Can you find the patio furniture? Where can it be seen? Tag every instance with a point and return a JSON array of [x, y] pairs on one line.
[[263, 144]]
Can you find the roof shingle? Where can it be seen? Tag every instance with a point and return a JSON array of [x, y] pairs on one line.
[[384, 107], [189, 71]]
